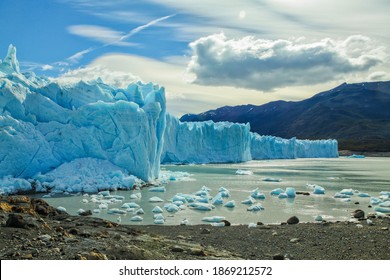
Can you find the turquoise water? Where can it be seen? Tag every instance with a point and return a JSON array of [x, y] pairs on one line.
[[368, 175]]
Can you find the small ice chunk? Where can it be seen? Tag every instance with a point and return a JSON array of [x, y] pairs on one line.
[[345, 200], [318, 190], [130, 205], [80, 211], [61, 209], [46, 196], [217, 200], [282, 195], [202, 193], [136, 219], [171, 208], [257, 194], [382, 209], [385, 204], [178, 203], [347, 191], [363, 195], [222, 189], [250, 200], [157, 209], [84, 200], [375, 200], [244, 172], [158, 189], [116, 211], [185, 222], [340, 195], [104, 193], [252, 225], [158, 216], [135, 196], [96, 211], [276, 191], [230, 204], [103, 206], [179, 198], [290, 192], [319, 218], [156, 199], [159, 222], [201, 206], [213, 219], [221, 224], [140, 212], [203, 199], [255, 208]]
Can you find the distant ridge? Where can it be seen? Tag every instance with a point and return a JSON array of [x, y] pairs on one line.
[[357, 115]]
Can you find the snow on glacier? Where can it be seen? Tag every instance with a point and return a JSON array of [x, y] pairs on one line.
[[49, 127]]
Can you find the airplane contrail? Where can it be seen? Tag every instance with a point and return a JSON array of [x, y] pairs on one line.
[[77, 56]]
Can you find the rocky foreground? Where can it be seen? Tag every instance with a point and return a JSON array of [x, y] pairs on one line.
[[32, 229]]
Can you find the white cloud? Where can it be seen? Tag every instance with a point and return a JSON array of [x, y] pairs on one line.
[[268, 64], [100, 34], [33, 66], [115, 78], [379, 76]]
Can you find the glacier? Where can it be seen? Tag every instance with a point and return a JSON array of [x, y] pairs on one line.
[[45, 124], [205, 142], [50, 129], [271, 147]]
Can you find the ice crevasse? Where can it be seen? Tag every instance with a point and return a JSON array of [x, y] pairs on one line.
[[46, 123]]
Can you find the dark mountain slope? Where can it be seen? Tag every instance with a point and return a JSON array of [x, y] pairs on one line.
[[357, 115]]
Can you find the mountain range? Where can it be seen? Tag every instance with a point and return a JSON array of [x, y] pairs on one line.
[[357, 115]]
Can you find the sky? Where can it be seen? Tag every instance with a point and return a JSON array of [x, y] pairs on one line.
[[206, 53]]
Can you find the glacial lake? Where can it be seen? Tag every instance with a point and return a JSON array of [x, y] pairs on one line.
[[365, 175]]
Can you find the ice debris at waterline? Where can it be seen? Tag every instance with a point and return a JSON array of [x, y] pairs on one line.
[[46, 124]]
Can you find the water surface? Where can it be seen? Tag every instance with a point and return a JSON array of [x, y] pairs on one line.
[[368, 175]]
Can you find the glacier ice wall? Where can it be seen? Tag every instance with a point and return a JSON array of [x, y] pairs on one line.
[[44, 124], [271, 147], [205, 142]]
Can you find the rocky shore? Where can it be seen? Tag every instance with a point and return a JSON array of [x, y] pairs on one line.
[[32, 229]]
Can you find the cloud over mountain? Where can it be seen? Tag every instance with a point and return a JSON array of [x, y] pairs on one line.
[[262, 64]]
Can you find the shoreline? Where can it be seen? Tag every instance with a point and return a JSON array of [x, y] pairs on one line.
[[343, 153], [32, 229]]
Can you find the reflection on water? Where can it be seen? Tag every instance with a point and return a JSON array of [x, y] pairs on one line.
[[369, 175]]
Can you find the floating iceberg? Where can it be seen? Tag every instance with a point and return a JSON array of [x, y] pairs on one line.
[[201, 206], [318, 190], [136, 219], [213, 219], [256, 207], [290, 192], [157, 209], [230, 204], [156, 199], [244, 172], [276, 191], [256, 194]]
